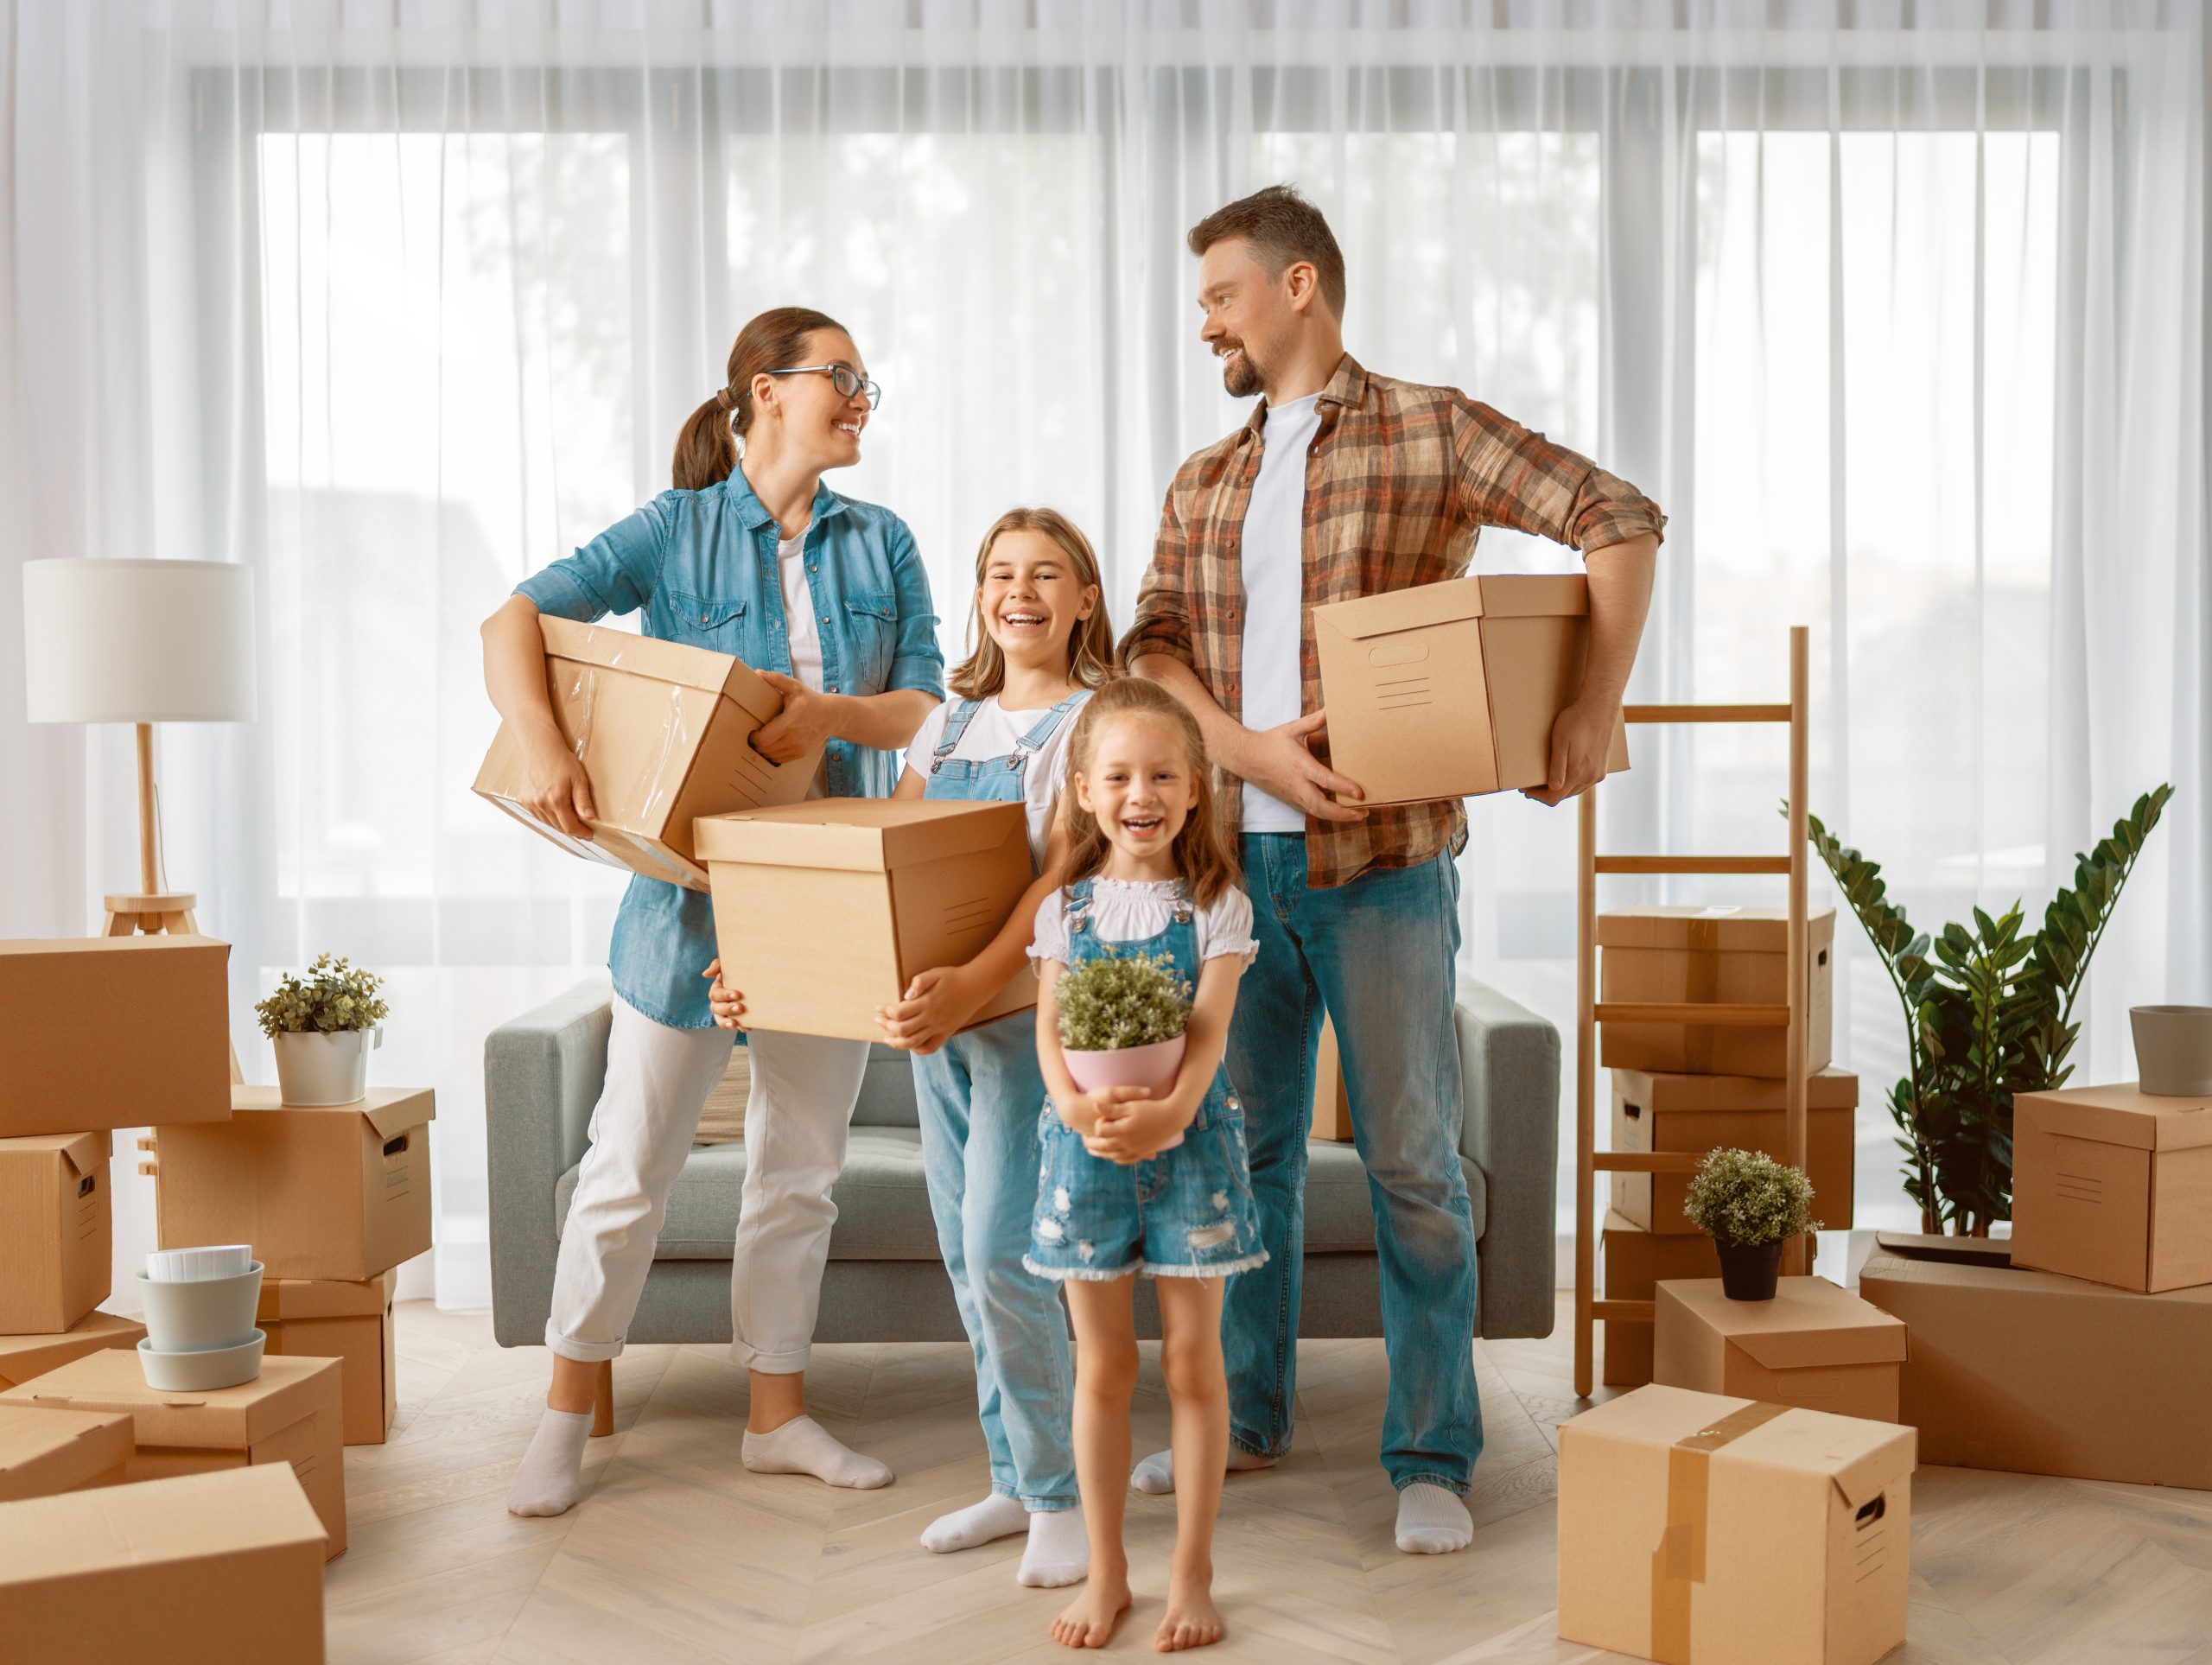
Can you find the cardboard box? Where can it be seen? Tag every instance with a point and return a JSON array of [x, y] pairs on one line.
[[213, 1569], [1814, 1345], [1718, 955], [2040, 1374], [1703, 1530], [56, 1241], [824, 911], [340, 1192], [74, 1063], [349, 1322], [665, 733], [1635, 1262], [291, 1414], [25, 1358], [1332, 1098], [43, 1452], [1451, 689], [1701, 1113], [2113, 1183]]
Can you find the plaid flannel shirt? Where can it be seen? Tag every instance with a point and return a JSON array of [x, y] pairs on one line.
[[1399, 480]]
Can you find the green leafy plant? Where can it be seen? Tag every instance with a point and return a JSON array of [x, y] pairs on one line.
[[1747, 1198], [1989, 1014], [1122, 1000], [333, 998]]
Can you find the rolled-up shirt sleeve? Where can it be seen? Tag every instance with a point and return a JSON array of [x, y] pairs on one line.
[[1512, 476], [617, 572], [1163, 619], [917, 660]]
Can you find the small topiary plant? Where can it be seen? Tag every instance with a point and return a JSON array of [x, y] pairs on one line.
[[1746, 1199], [332, 999], [1121, 1000]]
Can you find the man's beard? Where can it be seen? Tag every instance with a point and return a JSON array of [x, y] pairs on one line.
[[1239, 376]]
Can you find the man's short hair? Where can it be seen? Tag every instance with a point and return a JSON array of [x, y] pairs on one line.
[[1282, 226]]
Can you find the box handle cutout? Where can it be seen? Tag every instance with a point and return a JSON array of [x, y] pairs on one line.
[[393, 1146], [1390, 654], [1634, 1111], [1873, 1511], [1821, 958], [86, 1185]]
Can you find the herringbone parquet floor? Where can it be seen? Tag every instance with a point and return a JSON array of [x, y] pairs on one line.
[[677, 1554]]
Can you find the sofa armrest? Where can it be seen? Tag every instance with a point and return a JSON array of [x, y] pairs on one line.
[[542, 1077], [1509, 1063]]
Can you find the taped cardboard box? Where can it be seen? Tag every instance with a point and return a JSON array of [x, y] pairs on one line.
[[2036, 1373], [56, 1247], [291, 1414], [2113, 1183], [1703, 1530], [1635, 1262], [1659, 1112], [44, 1453], [351, 1323], [1715, 955], [71, 1065], [665, 734], [25, 1358], [1814, 1345], [213, 1569], [1451, 689], [826, 910], [1332, 1098], [341, 1192]]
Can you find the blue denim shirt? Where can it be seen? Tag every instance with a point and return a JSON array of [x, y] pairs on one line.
[[703, 567]]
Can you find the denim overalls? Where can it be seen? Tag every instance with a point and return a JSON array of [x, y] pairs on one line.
[[1186, 1212], [978, 1096]]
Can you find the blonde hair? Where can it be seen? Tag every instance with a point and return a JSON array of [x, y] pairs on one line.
[[1202, 859], [1090, 644]]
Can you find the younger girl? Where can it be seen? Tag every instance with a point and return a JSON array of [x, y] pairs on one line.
[[1159, 1186], [1041, 642]]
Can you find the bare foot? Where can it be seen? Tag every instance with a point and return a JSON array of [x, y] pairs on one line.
[[1191, 1621], [1089, 1620]]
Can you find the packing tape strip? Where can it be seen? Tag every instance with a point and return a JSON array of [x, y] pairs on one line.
[[1679, 1562]]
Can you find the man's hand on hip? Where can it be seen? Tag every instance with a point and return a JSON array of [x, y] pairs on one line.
[[1280, 761], [1580, 739]]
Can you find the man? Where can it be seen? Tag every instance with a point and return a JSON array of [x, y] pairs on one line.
[[1345, 484]]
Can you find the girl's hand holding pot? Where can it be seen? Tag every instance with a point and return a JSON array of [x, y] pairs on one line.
[[1084, 1111], [1134, 1129]]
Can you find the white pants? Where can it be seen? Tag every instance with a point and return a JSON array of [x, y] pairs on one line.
[[657, 1079]]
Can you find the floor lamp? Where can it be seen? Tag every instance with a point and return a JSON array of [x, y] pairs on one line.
[[140, 642]]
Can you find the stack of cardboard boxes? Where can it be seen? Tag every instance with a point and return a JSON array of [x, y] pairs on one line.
[[1690, 1087]]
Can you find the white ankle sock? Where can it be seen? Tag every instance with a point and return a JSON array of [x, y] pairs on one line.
[[547, 1481], [1156, 1474], [1058, 1551], [802, 1446], [978, 1523], [1432, 1521]]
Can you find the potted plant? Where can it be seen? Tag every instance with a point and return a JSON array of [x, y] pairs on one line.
[[1750, 1205], [1122, 1020], [324, 1026]]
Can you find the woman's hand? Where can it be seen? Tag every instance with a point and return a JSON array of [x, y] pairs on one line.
[[727, 1004], [1082, 1111], [559, 792], [937, 1002], [806, 722], [1135, 1129]]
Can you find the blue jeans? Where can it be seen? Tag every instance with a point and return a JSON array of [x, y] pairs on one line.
[[978, 1097], [1379, 955]]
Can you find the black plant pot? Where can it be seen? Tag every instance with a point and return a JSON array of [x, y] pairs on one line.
[[1748, 1270]]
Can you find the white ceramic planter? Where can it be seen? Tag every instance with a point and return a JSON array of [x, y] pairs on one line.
[[318, 1069], [201, 1372], [1152, 1068], [2173, 1050], [200, 1314]]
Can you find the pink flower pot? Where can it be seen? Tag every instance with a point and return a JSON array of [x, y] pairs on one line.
[[1153, 1068]]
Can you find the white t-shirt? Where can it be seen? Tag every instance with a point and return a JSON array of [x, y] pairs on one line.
[[799, 625], [994, 732], [1122, 912], [1273, 562]]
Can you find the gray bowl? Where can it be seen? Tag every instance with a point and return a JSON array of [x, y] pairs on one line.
[[2173, 1050], [203, 1371], [202, 1314]]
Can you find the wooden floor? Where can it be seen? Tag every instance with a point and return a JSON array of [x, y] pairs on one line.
[[677, 1554]]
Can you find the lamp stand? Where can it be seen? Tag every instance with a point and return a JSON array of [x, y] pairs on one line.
[[150, 910]]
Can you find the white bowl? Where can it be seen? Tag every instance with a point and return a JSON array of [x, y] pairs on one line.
[[202, 1315], [201, 1372]]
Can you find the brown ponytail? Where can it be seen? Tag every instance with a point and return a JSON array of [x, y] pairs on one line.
[[706, 449]]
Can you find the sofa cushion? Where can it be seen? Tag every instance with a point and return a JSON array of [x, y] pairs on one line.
[[883, 1208]]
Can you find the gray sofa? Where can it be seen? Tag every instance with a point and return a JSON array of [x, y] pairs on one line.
[[885, 1280]]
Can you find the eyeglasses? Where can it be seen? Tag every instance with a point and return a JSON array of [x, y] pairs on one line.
[[846, 381]]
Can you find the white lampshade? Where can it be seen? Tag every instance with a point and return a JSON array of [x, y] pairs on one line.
[[138, 641]]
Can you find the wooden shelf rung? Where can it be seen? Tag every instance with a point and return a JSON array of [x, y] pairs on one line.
[[1647, 1161], [1623, 1312], [1705, 713], [1729, 1017], [1777, 865]]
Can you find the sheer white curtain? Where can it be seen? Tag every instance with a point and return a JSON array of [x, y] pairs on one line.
[[1898, 309]]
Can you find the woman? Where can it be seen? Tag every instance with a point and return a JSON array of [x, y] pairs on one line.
[[826, 599]]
